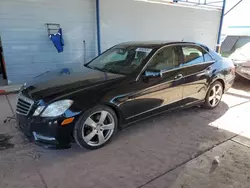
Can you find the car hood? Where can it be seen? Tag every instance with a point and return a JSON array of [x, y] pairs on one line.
[[53, 84]]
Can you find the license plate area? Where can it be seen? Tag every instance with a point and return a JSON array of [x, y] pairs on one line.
[[24, 125]]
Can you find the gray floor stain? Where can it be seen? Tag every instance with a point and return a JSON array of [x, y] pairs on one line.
[[5, 142]]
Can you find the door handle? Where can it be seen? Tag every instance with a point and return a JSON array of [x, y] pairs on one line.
[[178, 77]]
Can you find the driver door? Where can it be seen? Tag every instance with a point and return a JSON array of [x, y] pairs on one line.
[[153, 94]]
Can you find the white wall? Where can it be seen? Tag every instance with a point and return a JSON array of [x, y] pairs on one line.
[[27, 49], [129, 20]]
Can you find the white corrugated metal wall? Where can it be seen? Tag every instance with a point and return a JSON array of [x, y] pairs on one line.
[[27, 48], [128, 20]]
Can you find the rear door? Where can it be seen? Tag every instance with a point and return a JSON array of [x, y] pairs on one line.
[[196, 68]]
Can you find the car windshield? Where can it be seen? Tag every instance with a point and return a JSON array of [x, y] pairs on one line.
[[120, 60]]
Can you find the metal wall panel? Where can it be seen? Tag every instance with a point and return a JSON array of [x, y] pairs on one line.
[[128, 20], [27, 49]]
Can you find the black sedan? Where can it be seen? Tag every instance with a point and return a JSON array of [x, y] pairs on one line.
[[128, 82]]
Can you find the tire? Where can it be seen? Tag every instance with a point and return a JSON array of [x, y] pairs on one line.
[[214, 93], [96, 127]]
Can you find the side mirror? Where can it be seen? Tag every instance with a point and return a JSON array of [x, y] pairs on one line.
[[152, 74]]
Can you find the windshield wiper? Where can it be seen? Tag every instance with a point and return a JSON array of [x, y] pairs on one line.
[[96, 68], [103, 70]]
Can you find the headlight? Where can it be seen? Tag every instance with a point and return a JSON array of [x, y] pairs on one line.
[[57, 108], [38, 110]]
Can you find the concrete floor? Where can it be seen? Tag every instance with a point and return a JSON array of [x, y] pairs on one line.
[[174, 150]]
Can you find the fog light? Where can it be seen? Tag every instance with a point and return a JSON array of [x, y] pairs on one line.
[[41, 137]]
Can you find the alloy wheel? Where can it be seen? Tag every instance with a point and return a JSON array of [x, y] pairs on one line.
[[215, 95], [98, 128]]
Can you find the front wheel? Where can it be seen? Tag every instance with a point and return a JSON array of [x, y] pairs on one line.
[[214, 95], [96, 127]]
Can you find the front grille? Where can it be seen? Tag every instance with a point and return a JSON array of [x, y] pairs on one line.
[[24, 105]]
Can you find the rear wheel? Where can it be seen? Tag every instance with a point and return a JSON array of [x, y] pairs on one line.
[[214, 95], [96, 127]]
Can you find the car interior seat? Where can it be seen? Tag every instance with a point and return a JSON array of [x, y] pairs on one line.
[[192, 56], [168, 60]]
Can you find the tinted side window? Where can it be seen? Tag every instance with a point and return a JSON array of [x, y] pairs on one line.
[[192, 55], [165, 59]]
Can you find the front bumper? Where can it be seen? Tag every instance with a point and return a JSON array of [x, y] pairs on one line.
[[46, 131]]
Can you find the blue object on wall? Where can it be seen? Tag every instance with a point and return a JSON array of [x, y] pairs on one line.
[[65, 71], [57, 40]]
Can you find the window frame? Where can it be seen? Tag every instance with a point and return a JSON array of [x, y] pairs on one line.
[[203, 50], [179, 46], [212, 59], [183, 64]]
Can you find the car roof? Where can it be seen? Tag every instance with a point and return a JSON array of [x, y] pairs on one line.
[[156, 44]]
